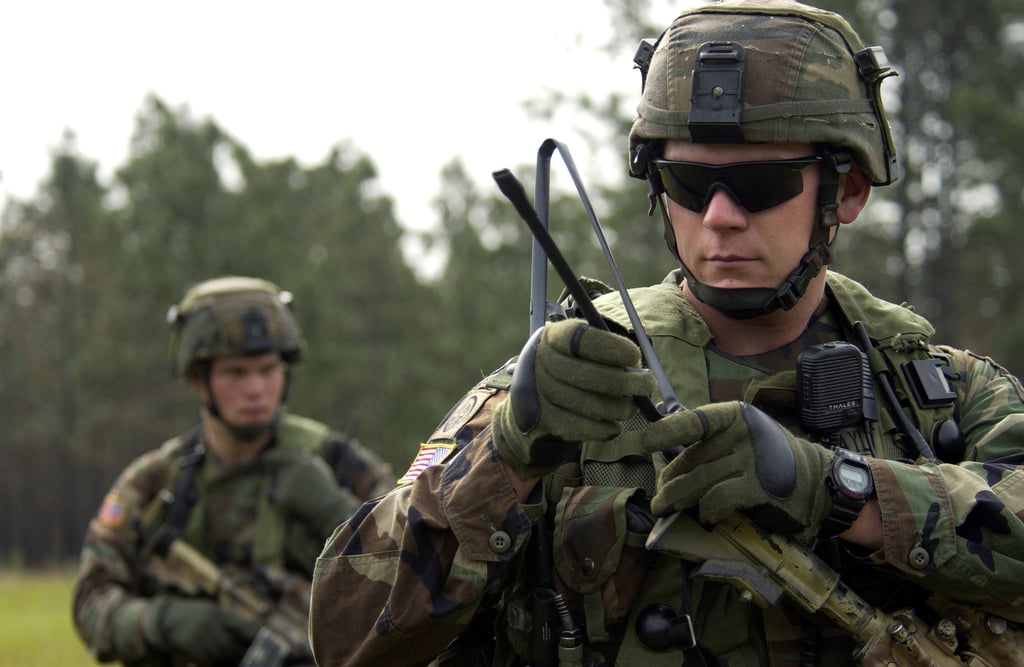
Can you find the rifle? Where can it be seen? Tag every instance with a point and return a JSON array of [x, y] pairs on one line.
[[274, 599], [764, 566]]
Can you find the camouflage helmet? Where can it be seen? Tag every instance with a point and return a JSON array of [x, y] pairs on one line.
[[232, 315], [764, 71]]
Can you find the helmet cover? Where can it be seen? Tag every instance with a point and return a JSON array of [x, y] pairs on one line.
[[807, 78], [232, 315]]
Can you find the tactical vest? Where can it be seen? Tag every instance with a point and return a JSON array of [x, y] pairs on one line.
[[272, 538], [900, 337], [596, 540]]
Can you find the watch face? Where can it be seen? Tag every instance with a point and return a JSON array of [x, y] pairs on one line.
[[854, 480]]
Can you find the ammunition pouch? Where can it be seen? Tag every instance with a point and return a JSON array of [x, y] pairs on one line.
[[599, 567], [599, 552]]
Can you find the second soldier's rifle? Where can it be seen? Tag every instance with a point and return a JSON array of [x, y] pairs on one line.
[[762, 566], [270, 597]]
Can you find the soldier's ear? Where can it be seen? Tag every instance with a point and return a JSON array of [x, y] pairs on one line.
[[854, 189]]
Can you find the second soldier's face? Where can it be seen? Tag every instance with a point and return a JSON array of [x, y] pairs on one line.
[[729, 247], [248, 389]]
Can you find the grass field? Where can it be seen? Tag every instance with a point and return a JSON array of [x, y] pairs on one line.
[[35, 620]]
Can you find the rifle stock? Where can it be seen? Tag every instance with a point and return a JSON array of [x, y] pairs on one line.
[[275, 600]]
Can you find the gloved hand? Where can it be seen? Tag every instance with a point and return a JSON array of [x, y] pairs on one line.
[[306, 488], [571, 383], [736, 457], [196, 628]]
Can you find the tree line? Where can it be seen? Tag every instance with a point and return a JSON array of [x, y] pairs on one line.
[[88, 269]]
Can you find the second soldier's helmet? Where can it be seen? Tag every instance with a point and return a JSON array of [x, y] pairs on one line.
[[232, 315], [764, 71]]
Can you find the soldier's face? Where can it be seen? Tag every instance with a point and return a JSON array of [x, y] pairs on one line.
[[727, 246], [248, 389]]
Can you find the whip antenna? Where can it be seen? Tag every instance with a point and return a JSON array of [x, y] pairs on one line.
[[545, 250]]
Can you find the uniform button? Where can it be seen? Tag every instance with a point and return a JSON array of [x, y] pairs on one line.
[[499, 541], [587, 567], [919, 558]]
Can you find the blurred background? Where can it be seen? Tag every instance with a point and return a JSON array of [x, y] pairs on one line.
[[410, 271]]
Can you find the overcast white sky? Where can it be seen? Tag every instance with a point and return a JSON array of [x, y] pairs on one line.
[[412, 84]]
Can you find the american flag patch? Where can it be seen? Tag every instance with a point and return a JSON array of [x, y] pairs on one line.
[[430, 454], [112, 511]]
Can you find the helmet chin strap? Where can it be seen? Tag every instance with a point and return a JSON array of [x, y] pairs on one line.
[[742, 303], [247, 433]]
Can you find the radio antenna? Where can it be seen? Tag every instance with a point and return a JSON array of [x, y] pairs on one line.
[[545, 250]]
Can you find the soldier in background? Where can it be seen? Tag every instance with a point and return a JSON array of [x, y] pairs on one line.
[[760, 131], [252, 486]]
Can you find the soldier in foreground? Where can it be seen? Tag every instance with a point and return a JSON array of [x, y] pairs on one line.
[[237, 508], [562, 527]]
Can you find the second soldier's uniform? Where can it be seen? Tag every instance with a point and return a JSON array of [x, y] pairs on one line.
[[261, 521]]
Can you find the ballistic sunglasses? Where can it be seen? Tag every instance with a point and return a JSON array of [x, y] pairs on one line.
[[755, 186]]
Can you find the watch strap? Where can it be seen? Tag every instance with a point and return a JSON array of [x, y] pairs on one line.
[[843, 511]]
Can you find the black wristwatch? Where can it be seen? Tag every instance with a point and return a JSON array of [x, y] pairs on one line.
[[850, 484]]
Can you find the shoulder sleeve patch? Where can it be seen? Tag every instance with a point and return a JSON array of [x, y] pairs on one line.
[[430, 454], [465, 410], [112, 511]]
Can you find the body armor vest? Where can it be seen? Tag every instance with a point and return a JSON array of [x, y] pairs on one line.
[[295, 435]]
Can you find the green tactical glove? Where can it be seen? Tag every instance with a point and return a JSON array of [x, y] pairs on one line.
[[736, 457], [196, 628], [571, 383], [307, 489]]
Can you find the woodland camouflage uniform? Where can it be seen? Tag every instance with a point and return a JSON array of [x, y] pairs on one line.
[[448, 566], [235, 522], [410, 571], [230, 513]]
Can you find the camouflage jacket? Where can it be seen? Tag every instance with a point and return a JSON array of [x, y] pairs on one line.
[[232, 519], [428, 563]]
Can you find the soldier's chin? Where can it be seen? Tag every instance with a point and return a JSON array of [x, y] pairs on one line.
[[733, 282], [249, 432]]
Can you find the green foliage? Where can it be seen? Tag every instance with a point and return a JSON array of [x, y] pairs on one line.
[[87, 274]]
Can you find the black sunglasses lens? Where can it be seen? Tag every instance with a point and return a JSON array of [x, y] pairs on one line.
[[765, 186], [754, 186], [685, 183]]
